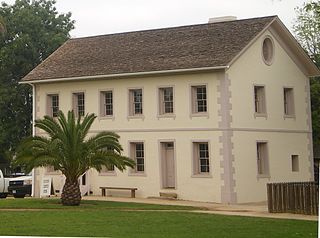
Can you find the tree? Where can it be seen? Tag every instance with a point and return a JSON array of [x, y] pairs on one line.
[[307, 28], [2, 26], [68, 150], [33, 30]]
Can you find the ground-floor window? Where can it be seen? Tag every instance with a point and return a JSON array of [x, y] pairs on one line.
[[201, 162], [137, 154], [262, 159]]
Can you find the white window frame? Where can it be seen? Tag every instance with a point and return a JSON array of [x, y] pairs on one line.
[[288, 102], [259, 100], [132, 155], [162, 102], [75, 103], [50, 106], [131, 103], [295, 165], [196, 163], [50, 170], [262, 159], [194, 100], [107, 172], [102, 103]]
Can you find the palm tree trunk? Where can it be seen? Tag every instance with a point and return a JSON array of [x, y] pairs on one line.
[[71, 195]]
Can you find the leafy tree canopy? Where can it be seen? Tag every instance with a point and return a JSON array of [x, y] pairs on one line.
[[307, 30], [32, 30]]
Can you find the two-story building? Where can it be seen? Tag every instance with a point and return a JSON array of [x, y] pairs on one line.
[[209, 112]]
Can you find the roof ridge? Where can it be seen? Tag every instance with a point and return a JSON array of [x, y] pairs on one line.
[[171, 28]]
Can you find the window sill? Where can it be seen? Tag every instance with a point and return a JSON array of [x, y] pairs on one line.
[[263, 176], [106, 118], [260, 115], [137, 174], [293, 116], [199, 114], [136, 117], [108, 174], [167, 115], [201, 176]]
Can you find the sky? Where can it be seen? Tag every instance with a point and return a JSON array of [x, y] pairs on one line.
[[98, 17]]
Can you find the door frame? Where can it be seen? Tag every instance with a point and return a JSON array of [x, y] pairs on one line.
[[161, 169]]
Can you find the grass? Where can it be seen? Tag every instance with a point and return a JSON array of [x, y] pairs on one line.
[[116, 219]]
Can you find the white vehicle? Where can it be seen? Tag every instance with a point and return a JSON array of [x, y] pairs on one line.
[[4, 184], [19, 187]]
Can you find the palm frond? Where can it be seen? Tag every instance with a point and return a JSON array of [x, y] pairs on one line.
[[67, 148]]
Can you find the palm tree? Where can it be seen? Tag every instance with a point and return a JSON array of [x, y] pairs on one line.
[[68, 149]]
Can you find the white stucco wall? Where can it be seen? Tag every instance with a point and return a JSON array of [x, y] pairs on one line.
[[285, 136], [183, 129]]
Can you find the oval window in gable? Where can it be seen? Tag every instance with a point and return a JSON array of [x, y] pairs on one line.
[[267, 51]]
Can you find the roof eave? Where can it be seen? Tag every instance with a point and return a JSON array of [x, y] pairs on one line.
[[311, 70], [126, 75]]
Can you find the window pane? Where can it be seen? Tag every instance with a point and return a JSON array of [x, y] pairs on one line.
[[54, 105], [204, 166], [139, 157], [80, 101], [201, 99], [108, 103], [259, 99], [262, 158], [137, 101]]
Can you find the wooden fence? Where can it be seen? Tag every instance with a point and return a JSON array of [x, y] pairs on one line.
[[301, 197]]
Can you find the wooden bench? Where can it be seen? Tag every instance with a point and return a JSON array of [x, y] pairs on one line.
[[133, 190]]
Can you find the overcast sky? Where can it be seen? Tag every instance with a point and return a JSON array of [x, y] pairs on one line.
[[97, 17]]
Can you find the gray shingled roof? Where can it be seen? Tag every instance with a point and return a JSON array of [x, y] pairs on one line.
[[186, 47]]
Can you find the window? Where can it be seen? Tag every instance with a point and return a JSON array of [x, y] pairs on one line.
[[199, 99], [135, 102], [106, 103], [78, 104], [201, 164], [295, 163], [53, 105], [259, 100], [50, 170], [267, 51], [137, 154], [166, 100], [288, 102], [262, 159], [107, 169]]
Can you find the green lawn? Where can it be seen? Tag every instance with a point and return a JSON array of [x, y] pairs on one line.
[[115, 219]]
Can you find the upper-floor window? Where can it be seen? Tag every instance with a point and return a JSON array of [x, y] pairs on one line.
[[135, 102], [165, 100], [106, 103], [201, 163], [259, 100], [137, 154], [288, 102], [262, 159], [199, 99], [78, 104], [53, 105]]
